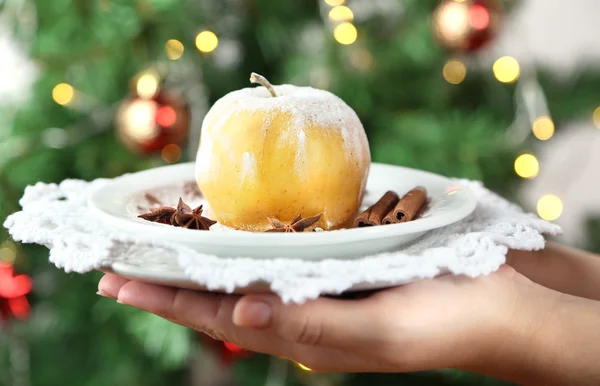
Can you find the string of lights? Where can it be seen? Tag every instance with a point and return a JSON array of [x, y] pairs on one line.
[[341, 17], [454, 22]]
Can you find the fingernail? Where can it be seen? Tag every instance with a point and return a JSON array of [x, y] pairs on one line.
[[253, 314], [104, 294]]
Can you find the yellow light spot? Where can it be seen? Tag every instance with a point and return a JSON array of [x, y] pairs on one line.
[[207, 41], [341, 13], [139, 119], [147, 85], [171, 153], [335, 3], [543, 128], [507, 69], [174, 49], [8, 252], [527, 166], [303, 367], [452, 22], [549, 207], [63, 94], [454, 71], [345, 33], [597, 117]]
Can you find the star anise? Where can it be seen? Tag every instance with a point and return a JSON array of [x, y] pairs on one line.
[[184, 216], [162, 215], [189, 218], [296, 225]]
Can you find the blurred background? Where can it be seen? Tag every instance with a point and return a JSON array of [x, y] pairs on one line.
[[506, 92]]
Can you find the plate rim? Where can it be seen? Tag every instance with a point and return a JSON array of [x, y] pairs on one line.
[[235, 238], [176, 278]]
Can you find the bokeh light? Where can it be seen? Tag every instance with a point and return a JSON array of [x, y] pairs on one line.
[[228, 345], [166, 116], [479, 17], [8, 252], [334, 3], [549, 207], [171, 154], [147, 85], [207, 41], [345, 33], [63, 94], [527, 166], [341, 13], [453, 21], [507, 69], [543, 128], [303, 367], [174, 49], [140, 120], [454, 71], [597, 117]]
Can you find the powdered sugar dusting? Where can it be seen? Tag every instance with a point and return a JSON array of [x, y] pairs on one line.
[[203, 158], [248, 167], [304, 105], [352, 143], [216, 128], [301, 154]]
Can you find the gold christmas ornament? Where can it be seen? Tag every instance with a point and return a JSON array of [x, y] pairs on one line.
[[467, 25], [147, 125]]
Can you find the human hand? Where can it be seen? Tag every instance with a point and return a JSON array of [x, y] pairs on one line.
[[446, 322], [563, 269]]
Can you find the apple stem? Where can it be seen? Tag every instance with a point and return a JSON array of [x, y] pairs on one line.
[[255, 78]]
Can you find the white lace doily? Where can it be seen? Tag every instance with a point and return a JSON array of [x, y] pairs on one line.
[[57, 216]]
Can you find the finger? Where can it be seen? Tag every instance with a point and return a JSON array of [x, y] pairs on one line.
[[212, 314], [109, 285], [193, 309], [338, 324]]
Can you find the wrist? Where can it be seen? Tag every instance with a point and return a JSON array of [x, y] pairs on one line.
[[566, 347], [513, 347], [549, 339]]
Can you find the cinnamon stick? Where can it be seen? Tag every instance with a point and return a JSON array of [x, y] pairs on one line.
[[407, 208], [375, 213]]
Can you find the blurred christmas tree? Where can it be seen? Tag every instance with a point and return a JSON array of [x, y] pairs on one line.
[[112, 80]]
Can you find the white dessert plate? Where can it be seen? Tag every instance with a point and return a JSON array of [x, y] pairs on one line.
[[119, 203]]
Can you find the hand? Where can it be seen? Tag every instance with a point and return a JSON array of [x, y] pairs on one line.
[[447, 322], [560, 268]]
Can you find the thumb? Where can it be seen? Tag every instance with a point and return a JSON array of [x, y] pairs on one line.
[[340, 324]]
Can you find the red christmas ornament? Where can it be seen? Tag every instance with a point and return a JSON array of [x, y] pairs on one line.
[[147, 125], [13, 303], [467, 25]]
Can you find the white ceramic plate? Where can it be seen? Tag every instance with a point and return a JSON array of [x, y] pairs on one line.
[[117, 203]]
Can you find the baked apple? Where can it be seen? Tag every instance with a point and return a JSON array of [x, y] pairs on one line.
[[279, 152]]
